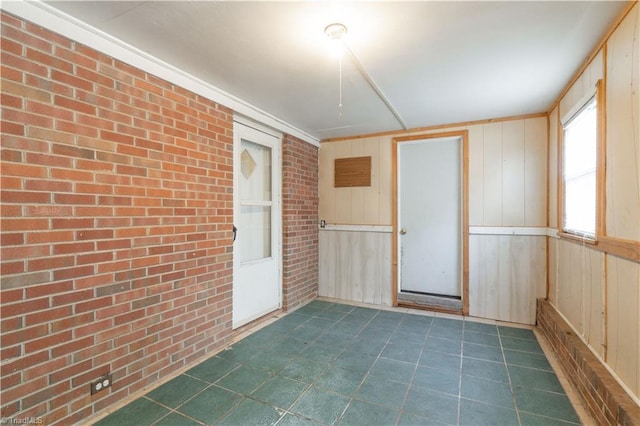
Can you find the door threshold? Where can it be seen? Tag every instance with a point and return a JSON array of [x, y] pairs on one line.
[[447, 304]]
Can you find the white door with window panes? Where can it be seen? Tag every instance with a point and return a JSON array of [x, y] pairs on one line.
[[257, 218]]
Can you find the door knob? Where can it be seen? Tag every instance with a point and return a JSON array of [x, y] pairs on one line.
[[403, 231]]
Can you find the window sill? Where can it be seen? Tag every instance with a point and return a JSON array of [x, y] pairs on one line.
[[573, 237]]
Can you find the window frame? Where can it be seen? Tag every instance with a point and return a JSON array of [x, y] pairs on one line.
[[597, 94]]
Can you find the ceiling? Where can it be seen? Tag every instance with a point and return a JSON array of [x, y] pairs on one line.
[[434, 62]]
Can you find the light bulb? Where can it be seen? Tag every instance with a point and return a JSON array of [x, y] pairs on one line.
[[334, 33]]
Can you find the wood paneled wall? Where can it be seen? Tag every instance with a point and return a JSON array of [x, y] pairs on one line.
[[507, 176], [356, 265], [507, 275], [507, 188], [598, 292], [623, 131]]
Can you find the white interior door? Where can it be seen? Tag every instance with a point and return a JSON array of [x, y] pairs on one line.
[[257, 217], [429, 216]]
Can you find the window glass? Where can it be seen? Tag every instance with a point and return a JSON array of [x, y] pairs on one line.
[[579, 171]]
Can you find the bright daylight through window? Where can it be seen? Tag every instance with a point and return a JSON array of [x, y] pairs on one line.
[[579, 172]]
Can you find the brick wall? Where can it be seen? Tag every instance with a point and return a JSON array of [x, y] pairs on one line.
[[300, 222], [602, 394], [116, 226]]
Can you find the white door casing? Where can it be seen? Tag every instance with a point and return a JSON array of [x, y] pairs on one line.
[[257, 213], [430, 216]]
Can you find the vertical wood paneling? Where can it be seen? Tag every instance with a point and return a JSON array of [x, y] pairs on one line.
[[355, 266], [506, 275], [535, 172], [492, 178], [357, 193], [343, 195], [476, 175], [552, 270], [623, 324], [326, 191], [553, 168], [371, 201], [623, 130], [513, 173], [580, 295], [385, 181]]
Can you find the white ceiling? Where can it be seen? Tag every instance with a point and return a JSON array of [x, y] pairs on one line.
[[435, 62]]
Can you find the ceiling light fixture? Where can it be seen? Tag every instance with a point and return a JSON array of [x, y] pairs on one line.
[[335, 32]]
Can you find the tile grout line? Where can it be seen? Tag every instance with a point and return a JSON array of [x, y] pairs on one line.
[[506, 366]]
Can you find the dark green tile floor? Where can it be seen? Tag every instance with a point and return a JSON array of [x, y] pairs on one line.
[[330, 363]]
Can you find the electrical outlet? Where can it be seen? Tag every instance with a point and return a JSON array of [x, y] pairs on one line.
[[101, 384]]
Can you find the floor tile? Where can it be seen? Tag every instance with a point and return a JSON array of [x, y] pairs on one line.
[[250, 412], [365, 414], [174, 419], [488, 391], [452, 333], [305, 333], [329, 362], [243, 380], [347, 327], [383, 392], [406, 352], [373, 333], [437, 379], [435, 359], [547, 404], [411, 419], [447, 323], [340, 380], [366, 313], [532, 378], [478, 413], [320, 352], [443, 345], [402, 335], [239, 352], [303, 370], [140, 411], [527, 345], [479, 327], [527, 359], [367, 346], [352, 360], [289, 347], [269, 361], [520, 333], [212, 369], [393, 370], [210, 404], [485, 369], [483, 352], [481, 338], [177, 391], [527, 419], [436, 407], [293, 420], [280, 392], [321, 405]]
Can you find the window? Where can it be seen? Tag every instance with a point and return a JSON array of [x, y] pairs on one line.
[[579, 178]]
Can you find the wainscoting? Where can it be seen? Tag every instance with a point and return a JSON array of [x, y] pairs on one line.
[[355, 263]]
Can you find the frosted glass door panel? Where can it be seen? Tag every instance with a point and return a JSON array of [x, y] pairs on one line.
[[255, 237], [255, 168]]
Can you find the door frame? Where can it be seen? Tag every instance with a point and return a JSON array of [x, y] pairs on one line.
[[239, 120], [464, 135]]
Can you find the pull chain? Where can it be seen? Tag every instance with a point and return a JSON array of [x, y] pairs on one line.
[[340, 87]]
